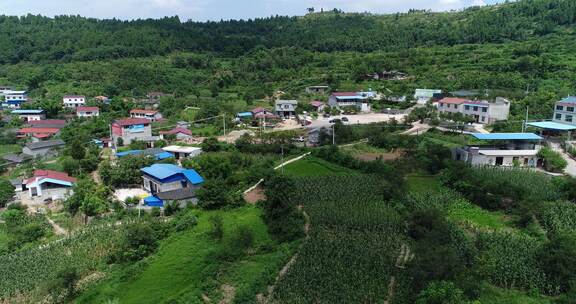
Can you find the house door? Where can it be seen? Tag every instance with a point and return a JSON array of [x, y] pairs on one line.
[[499, 160], [153, 188], [34, 191]]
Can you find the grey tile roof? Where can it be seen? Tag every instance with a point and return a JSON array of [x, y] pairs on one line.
[[45, 144]]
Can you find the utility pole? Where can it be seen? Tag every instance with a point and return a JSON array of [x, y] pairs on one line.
[[282, 148], [334, 134], [525, 120], [224, 123]]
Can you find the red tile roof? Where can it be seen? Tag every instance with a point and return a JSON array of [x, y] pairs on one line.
[[47, 122], [176, 131], [41, 174], [143, 111], [453, 100], [132, 121], [259, 110], [39, 130], [87, 109], [316, 103], [41, 135]]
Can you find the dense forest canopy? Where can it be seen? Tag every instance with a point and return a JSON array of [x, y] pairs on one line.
[[73, 38]]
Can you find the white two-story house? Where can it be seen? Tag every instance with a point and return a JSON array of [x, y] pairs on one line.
[[565, 111], [74, 101], [14, 99], [502, 149], [286, 108]]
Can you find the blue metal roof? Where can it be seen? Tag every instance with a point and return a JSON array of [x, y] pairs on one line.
[[27, 112], [163, 155], [244, 114], [164, 171], [193, 176], [350, 97], [552, 125], [130, 152], [153, 201], [569, 99], [507, 136]]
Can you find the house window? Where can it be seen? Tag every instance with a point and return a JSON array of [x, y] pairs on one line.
[[558, 116], [559, 108], [484, 110], [475, 109], [570, 109], [568, 118], [466, 108], [455, 106], [441, 105], [483, 118]]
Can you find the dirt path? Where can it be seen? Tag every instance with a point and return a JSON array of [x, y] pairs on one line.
[[228, 294], [57, 228], [403, 258], [262, 299]]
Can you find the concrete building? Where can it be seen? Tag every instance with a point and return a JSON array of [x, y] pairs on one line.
[[565, 111], [320, 89], [48, 185], [130, 129], [482, 111], [285, 108], [87, 112], [30, 115], [42, 148], [151, 115], [181, 152], [14, 99], [74, 101], [502, 149], [422, 96], [167, 182], [349, 99]]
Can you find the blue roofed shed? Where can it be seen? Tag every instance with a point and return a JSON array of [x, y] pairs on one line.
[[244, 114], [507, 136], [153, 201], [550, 125]]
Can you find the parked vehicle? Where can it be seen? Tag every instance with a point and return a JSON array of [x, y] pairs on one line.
[[345, 119], [326, 115]]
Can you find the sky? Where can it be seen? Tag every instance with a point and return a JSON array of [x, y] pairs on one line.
[[202, 10]]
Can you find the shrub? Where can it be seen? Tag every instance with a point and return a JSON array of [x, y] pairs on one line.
[[441, 292], [185, 221], [217, 230], [553, 160], [284, 221]]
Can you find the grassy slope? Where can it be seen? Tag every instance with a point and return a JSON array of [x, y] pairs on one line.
[[312, 166], [185, 266], [4, 238], [495, 295], [5, 149]]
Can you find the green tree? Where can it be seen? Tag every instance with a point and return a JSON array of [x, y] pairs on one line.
[[441, 292], [6, 192], [559, 260]]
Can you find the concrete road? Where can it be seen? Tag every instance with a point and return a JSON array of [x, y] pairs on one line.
[[356, 119]]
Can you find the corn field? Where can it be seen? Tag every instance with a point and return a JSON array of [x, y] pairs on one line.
[[29, 269], [558, 216], [353, 244]]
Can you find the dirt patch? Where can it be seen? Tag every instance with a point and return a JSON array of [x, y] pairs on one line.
[[228, 294], [370, 156], [255, 195]]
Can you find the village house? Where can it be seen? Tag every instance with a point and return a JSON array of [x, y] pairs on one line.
[[74, 101], [565, 111], [349, 99], [181, 152], [168, 183], [261, 112], [318, 105], [37, 134], [42, 148], [130, 129], [422, 96], [87, 112], [30, 115], [319, 89], [102, 99], [481, 111], [179, 133], [48, 185], [4, 89], [387, 75], [286, 108], [14, 99], [502, 149], [151, 115]]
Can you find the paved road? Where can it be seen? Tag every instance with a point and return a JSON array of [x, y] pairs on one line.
[[356, 119]]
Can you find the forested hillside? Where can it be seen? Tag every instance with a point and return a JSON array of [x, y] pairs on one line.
[[72, 38]]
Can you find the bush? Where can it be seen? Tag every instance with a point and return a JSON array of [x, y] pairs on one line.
[[553, 160], [217, 230], [441, 292], [171, 208], [138, 241], [185, 221], [6, 192], [243, 239]]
